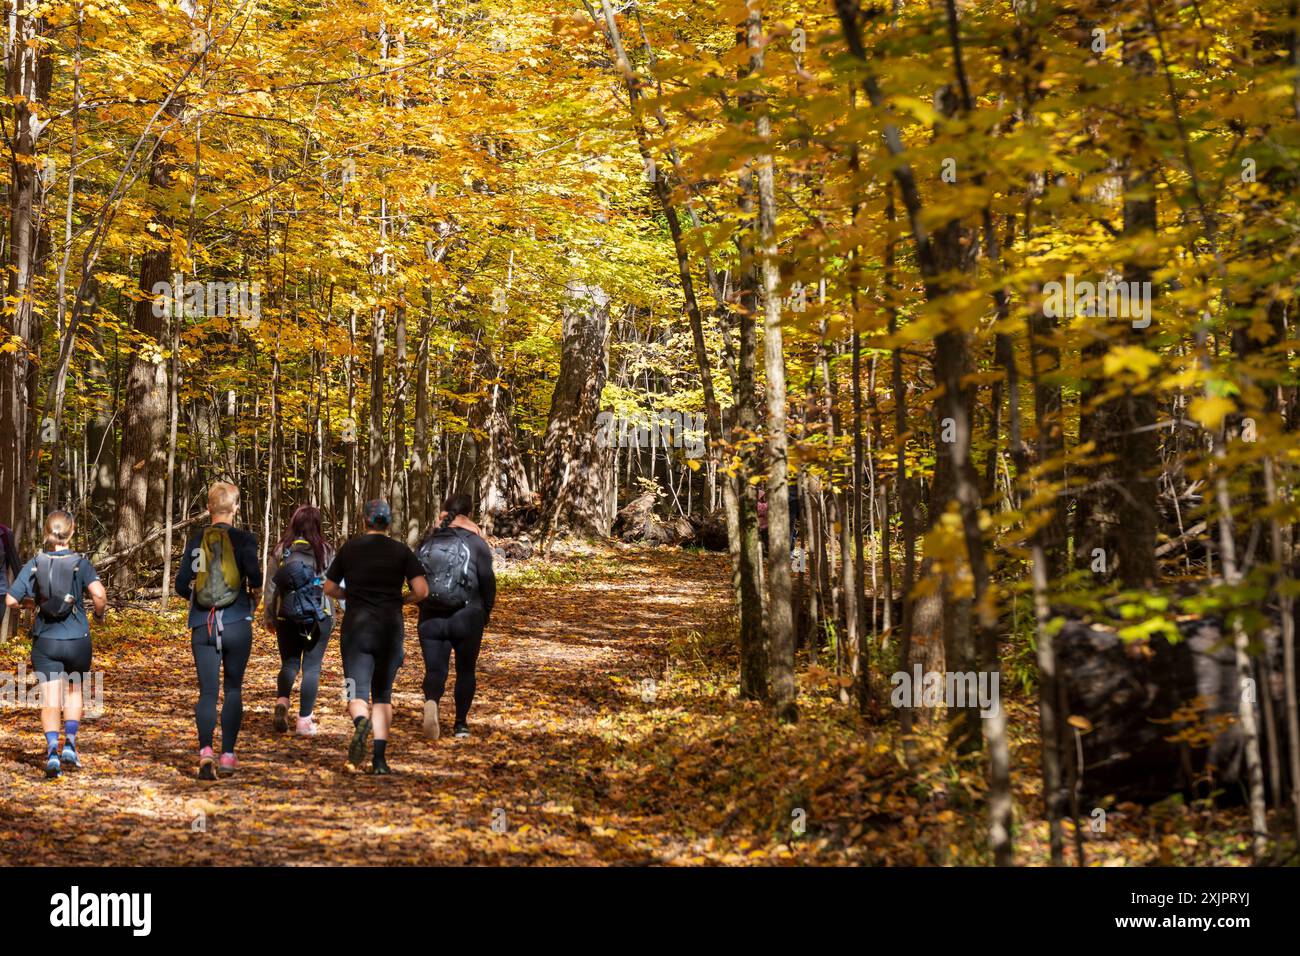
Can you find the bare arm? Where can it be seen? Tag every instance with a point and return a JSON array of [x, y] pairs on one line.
[[99, 596], [332, 590], [419, 590]]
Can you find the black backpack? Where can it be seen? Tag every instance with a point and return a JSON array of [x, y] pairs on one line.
[[57, 589], [301, 587], [449, 568]]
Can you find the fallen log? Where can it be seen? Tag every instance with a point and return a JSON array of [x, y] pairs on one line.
[[107, 562]]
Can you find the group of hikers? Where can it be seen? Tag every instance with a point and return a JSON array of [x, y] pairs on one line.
[[371, 577]]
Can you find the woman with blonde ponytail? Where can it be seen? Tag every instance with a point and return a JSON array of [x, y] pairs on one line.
[[56, 581]]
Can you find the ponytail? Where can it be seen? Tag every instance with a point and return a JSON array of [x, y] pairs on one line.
[[59, 526], [453, 507], [456, 506]]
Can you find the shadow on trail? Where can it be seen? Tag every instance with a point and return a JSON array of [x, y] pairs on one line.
[[535, 784]]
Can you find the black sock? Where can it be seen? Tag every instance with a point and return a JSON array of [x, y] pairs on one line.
[[356, 721], [380, 747]]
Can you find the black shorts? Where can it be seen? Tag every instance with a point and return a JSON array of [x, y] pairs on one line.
[[372, 653], [52, 658]]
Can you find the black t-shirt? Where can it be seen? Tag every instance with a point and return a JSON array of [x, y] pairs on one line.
[[372, 569]]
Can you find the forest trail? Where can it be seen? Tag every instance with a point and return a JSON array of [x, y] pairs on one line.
[[561, 659], [572, 752]]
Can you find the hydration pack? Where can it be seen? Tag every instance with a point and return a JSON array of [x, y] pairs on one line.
[[56, 585], [216, 581], [301, 587], [449, 569]]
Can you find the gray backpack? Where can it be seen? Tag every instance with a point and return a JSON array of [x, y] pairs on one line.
[[449, 569], [57, 589]]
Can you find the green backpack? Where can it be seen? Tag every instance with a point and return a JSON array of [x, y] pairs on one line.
[[216, 581]]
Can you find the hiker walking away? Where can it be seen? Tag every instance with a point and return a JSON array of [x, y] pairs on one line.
[[221, 577], [368, 573], [56, 580], [300, 614], [457, 564], [10, 565]]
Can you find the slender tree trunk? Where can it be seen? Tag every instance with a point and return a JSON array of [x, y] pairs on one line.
[[780, 619]]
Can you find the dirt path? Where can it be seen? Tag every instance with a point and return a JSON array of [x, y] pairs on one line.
[[560, 661]]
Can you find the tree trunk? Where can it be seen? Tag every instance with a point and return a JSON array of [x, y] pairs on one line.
[[574, 465], [26, 81], [141, 460], [780, 619]]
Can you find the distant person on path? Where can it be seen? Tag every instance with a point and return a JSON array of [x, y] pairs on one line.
[[462, 589], [9, 568], [368, 573], [300, 614], [56, 580], [221, 577]]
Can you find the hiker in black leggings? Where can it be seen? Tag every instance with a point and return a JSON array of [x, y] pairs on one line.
[[302, 647], [368, 573], [221, 639], [444, 630]]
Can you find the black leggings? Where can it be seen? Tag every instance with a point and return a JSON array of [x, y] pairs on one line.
[[463, 632], [232, 659], [372, 653], [294, 655]]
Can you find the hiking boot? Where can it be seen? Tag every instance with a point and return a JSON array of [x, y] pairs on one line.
[[52, 766], [360, 737], [379, 767], [431, 728], [281, 719], [461, 730], [207, 767], [228, 763], [70, 758], [306, 727]]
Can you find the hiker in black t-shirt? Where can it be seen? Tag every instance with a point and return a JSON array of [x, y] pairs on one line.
[[454, 620], [368, 573], [221, 577]]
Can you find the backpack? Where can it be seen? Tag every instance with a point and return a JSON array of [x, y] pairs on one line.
[[216, 582], [449, 569], [301, 587], [56, 585]]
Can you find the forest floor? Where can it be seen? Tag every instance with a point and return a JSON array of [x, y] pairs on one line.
[[607, 730]]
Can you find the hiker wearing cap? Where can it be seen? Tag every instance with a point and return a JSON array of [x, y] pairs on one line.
[[221, 577], [300, 614], [55, 580], [368, 573]]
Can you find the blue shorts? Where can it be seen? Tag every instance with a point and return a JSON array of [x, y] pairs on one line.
[[53, 658]]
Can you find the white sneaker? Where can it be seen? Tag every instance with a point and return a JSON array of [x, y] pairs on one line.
[[306, 727], [431, 728]]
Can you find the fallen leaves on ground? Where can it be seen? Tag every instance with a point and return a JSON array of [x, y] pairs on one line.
[[607, 730]]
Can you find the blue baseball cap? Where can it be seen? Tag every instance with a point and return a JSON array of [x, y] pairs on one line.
[[378, 514]]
